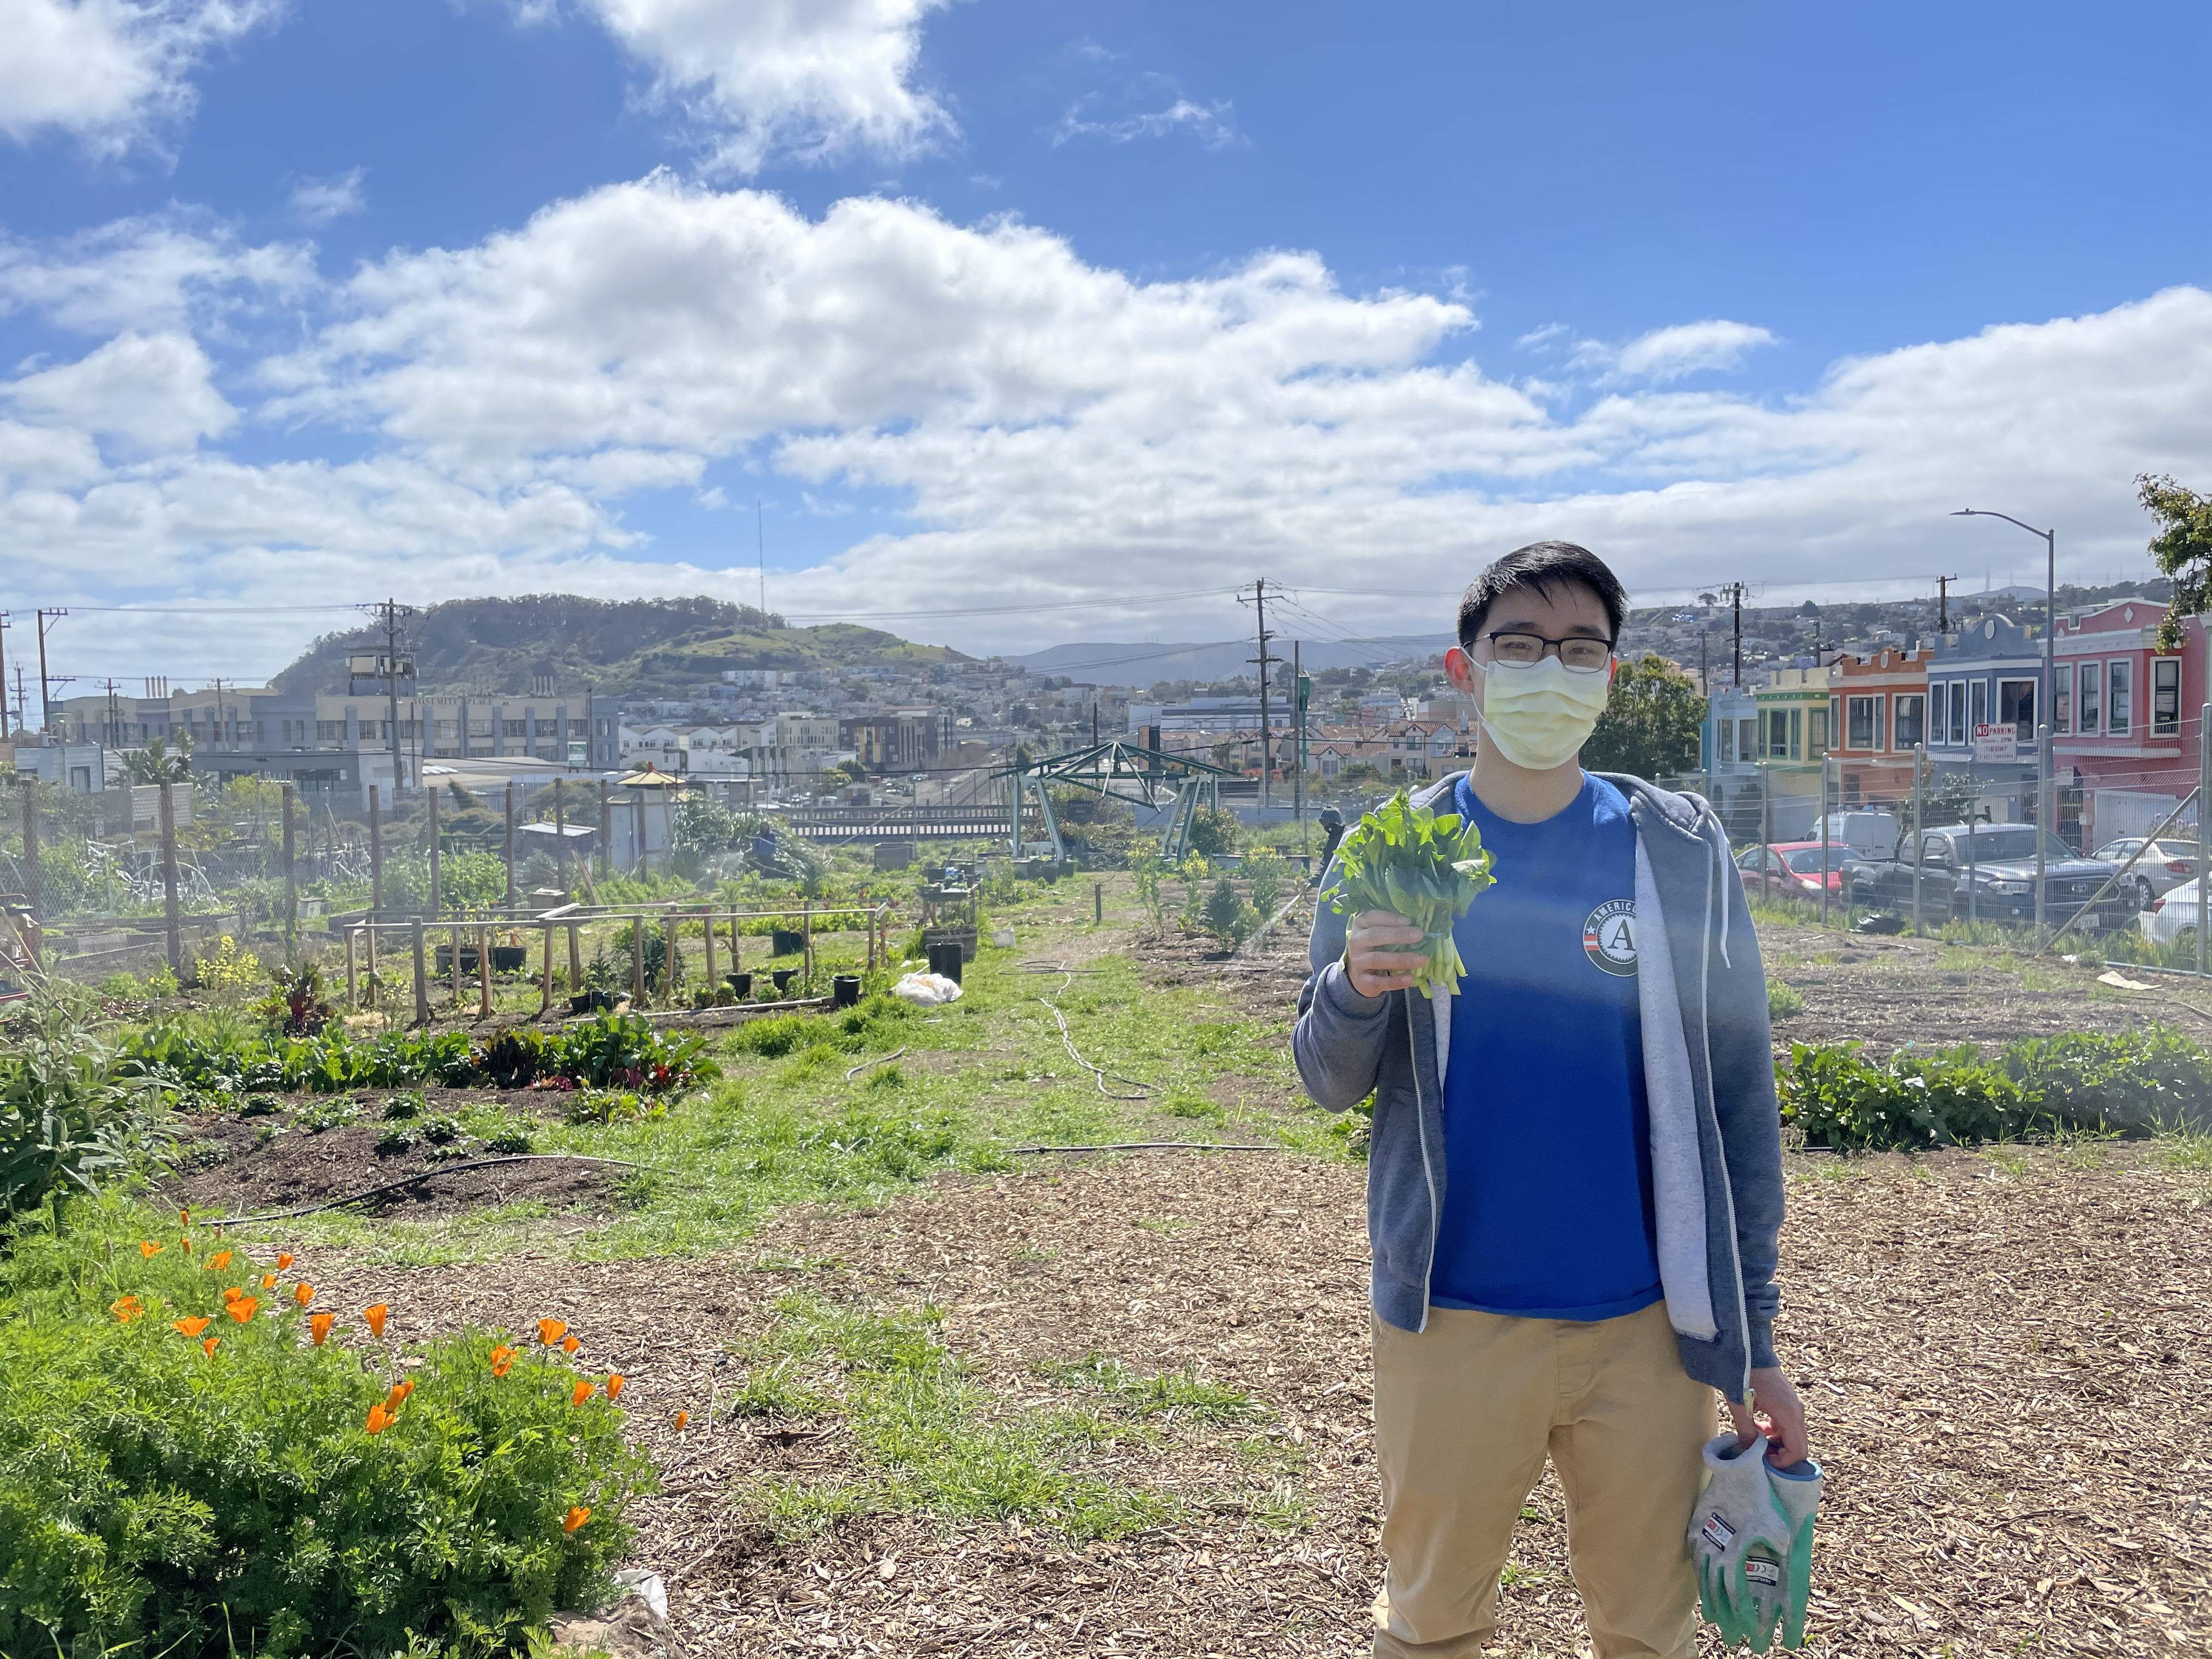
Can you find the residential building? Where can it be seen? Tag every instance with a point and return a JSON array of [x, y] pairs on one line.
[[1878, 713], [2125, 717], [1985, 688], [907, 740], [1793, 739], [1727, 760]]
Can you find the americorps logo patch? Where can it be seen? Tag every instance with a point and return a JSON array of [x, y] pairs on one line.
[[1609, 936]]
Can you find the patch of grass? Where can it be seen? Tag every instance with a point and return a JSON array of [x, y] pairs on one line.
[[1180, 1393], [1189, 1103], [2185, 1149], [919, 1423], [1782, 1000]]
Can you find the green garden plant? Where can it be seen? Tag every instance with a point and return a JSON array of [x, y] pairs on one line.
[[194, 1474]]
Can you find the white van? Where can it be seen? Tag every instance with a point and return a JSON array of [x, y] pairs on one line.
[[1869, 835]]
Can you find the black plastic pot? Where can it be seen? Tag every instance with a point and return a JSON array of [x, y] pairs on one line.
[[945, 959], [845, 991], [781, 942], [741, 986], [585, 1002], [783, 976]]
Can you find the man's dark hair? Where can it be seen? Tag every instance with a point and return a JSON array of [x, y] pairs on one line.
[[1544, 566]]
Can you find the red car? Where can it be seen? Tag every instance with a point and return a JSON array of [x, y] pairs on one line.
[[1792, 869]]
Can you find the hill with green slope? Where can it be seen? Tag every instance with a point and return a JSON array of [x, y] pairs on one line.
[[620, 647]]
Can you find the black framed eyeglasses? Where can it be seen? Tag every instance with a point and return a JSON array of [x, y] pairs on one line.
[[1578, 654]]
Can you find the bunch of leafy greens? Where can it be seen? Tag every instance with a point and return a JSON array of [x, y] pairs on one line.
[[1426, 866]]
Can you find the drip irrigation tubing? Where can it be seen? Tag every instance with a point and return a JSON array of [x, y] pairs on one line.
[[427, 1175], [1151, 1146], [879, 1059], [1099, 1073]]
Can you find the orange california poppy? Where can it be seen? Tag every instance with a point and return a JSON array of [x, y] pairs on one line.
[[232, 1293], [682, 1418], [319, 1327], [579, 1394], [399, 1392], [220, 1259], [575, 1518], [149, 1249], [185, 1215], [283, 1260], [126, 1309], [269, 1281], [501, 1358], [241, 1310], [192, 1327], [614, 1384], [377, 1418], [551, 1331], [570, 1344], [303, 1293], [186, 1242], [208, 1346], [376, 1316]]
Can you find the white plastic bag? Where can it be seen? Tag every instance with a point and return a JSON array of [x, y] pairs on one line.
[[927, 990]]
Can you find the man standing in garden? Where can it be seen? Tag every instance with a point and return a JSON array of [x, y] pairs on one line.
[[1575, 1183]]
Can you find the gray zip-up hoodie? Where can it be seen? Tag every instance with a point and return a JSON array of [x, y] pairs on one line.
[[1708, 1070]]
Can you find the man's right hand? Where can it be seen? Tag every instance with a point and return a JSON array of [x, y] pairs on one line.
[[1372, 961]]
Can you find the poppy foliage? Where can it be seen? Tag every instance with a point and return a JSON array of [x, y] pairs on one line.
[[296, 1478]]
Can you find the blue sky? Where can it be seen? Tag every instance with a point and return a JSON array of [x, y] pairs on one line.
[[1036, 304]]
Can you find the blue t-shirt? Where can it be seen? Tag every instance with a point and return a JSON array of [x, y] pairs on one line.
[[1547, 1155]]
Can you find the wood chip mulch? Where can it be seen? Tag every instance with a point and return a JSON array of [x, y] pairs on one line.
[[2004, 1358]]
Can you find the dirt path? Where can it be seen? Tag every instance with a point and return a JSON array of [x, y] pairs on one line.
[[2003, 1356]]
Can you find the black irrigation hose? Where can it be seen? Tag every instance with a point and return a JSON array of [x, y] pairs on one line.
[[1150, 1146], [426, 1175]]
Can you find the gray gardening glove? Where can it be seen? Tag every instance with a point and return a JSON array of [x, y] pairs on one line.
[[1740, 1542]]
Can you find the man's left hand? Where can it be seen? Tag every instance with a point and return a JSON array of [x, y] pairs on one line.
[[1773, 1398]]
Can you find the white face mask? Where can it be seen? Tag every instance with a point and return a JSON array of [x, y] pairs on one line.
[[1541, 716]]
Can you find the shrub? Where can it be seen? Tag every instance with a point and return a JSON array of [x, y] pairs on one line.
[[512, 1057], [167, 1498], [230, 970], [2134, 1080], [71, 1114], [608, 1106], [1839, 1099], [1228, 917]]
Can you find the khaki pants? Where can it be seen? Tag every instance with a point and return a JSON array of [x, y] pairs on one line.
[[1464, 1413]]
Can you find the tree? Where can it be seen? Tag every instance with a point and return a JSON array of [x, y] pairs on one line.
[[2182, 548], [159, 762], [1650, 724]]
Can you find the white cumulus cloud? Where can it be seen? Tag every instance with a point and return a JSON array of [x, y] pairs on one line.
[[806, 79], [476, 419], [110, 72], [1669, 354]]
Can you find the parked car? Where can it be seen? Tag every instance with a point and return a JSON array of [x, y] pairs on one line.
[[1792, 869], [1991, 878], [2164, 866], [2171, 918]]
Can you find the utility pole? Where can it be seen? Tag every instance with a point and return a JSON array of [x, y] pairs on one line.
[[760, 549], [215, 734], [44, 701], [391, 613], [114, 717], [1943, 603], [5, 625], [1735, 591], [1298, 778], [1259, 602]]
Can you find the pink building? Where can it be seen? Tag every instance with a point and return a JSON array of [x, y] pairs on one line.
[[2124, 721]]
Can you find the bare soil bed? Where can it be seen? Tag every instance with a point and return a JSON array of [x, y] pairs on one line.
[[2003, 1354], [1891, 992], [233, 1168]]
